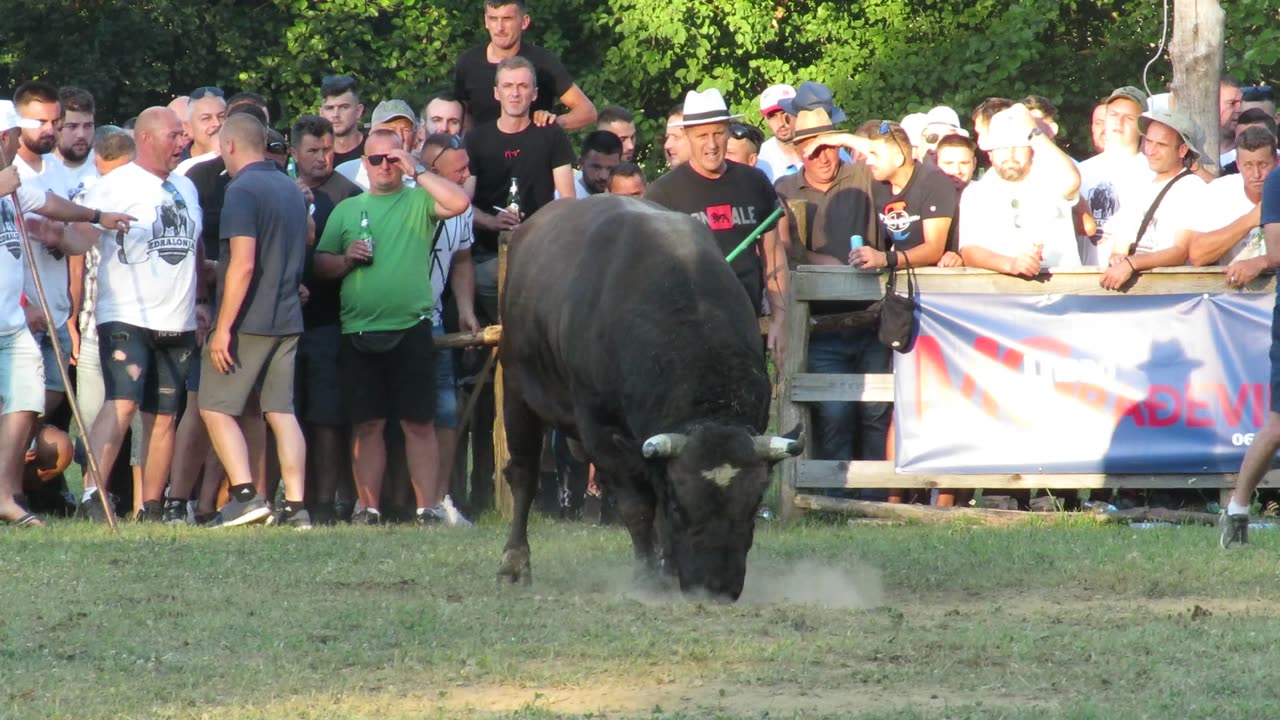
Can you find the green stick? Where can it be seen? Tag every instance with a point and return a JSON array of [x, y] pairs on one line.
[[746, 242]]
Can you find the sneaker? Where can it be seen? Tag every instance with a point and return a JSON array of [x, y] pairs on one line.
[[175, 512], [298, 520], [151, 511], [236, 512], [449, 514], [92, 509], [428, 517], [366, 517], [1235, 529]]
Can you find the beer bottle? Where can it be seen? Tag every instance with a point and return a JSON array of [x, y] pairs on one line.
[[366, 235], [513, 198]]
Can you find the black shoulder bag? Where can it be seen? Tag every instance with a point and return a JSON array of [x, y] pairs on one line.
[[1151, 211], [898, 312]]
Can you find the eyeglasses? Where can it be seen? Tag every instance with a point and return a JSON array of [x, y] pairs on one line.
[[739, 131], [206, 91], [376, 160], [278, 147]]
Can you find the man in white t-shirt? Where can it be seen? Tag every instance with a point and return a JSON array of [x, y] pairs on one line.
[[777, 156], [1113, 178], [1233, 208], [1014, 221], [206, 111], [38, 101], [446, 156], [75, 137], [145, 309], [21, 367], [1168, 142]]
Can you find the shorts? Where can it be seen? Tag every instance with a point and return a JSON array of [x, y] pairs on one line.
[[193, 378], [21, 374], [446, 387], [148, 367], [53, 378], [264, 364], [317, 393], [398, 384]]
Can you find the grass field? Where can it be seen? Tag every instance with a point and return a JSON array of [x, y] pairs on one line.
[[838, 620]]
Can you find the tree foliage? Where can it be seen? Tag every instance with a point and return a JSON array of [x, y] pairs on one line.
[[883, 58]]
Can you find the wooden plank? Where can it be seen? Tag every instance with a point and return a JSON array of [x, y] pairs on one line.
[[820, 387], [845, 474], [821, 282], [928, 514], [790, 413]]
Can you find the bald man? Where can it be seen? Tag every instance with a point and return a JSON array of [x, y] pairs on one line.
[[146, 305], [254, 341], [179, 106]]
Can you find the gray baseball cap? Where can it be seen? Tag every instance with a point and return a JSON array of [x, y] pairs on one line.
[[389, 110], [1128, 92], [1180, 123]]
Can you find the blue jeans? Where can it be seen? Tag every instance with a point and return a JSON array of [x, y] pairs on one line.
[[850, 430]]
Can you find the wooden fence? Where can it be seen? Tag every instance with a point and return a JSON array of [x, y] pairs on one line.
[[798, 387]]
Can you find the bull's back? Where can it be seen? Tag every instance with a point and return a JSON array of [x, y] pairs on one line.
[[612, 297]]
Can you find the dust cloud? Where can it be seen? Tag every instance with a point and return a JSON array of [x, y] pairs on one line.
[[810, 583]]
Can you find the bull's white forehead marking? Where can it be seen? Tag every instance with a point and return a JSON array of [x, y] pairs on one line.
[[722, 475]]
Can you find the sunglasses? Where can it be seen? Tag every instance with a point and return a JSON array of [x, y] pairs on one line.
[[206, 91], [174, 195], [887, 128], [454, 143], [376, 160], [278, 147], [739, 131]]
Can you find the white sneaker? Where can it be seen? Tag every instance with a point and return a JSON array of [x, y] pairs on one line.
[[450, 515]]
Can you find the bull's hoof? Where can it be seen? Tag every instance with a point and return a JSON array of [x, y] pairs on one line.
[[515, 567]]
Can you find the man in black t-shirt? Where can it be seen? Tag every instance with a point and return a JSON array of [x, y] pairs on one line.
[[476, 68], [340, 105], [729, 198], [835, 199], [916, 201], [538, 159], [319, 404]]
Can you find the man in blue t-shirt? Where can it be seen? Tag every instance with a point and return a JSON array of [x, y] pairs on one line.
[[1235, 518], [254, 340]]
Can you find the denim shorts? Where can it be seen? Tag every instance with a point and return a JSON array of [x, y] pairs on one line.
[[446, 387], [145, 366], [53, 378]]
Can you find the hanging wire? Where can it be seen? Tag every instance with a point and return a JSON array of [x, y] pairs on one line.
[[1164, 35]]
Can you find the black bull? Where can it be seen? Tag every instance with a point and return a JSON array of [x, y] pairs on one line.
[[624, 327]]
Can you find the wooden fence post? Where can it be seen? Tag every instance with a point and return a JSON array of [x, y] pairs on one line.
[[501, 456], [1196, 51], [795, 361]]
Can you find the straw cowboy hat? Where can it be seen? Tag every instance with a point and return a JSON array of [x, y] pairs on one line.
[[812, 123]]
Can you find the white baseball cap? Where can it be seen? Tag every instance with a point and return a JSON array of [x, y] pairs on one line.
[[771, 99], [9, 118]]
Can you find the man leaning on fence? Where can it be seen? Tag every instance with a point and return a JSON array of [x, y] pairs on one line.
[[830, 203]]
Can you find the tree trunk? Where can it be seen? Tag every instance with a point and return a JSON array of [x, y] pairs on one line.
[[1196, 51]]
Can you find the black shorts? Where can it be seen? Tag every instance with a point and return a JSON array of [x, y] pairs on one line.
[[317, 394], [148, 367], [396, 384]]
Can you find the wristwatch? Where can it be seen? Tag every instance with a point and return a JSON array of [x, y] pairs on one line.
[[1034, 132], [97, 217], [418, 168]]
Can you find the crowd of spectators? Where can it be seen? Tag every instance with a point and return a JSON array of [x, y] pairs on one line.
[[246, 309]]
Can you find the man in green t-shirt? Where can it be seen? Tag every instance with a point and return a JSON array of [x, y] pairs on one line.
[[387, 360]]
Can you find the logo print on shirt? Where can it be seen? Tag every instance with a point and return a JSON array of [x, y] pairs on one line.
[[898, 220], [9, 238], [510, 154], [172, 234], [720, 217]]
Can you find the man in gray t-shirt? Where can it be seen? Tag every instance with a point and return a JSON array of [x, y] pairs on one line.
[[264, 228]]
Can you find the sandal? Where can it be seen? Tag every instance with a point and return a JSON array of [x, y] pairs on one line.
[[29, 520]]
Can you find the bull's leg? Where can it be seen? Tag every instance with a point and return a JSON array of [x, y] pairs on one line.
[[636, 507], [524, 440]]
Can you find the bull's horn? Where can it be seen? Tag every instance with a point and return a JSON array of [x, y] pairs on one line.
[[773, 447], [666, 445]]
